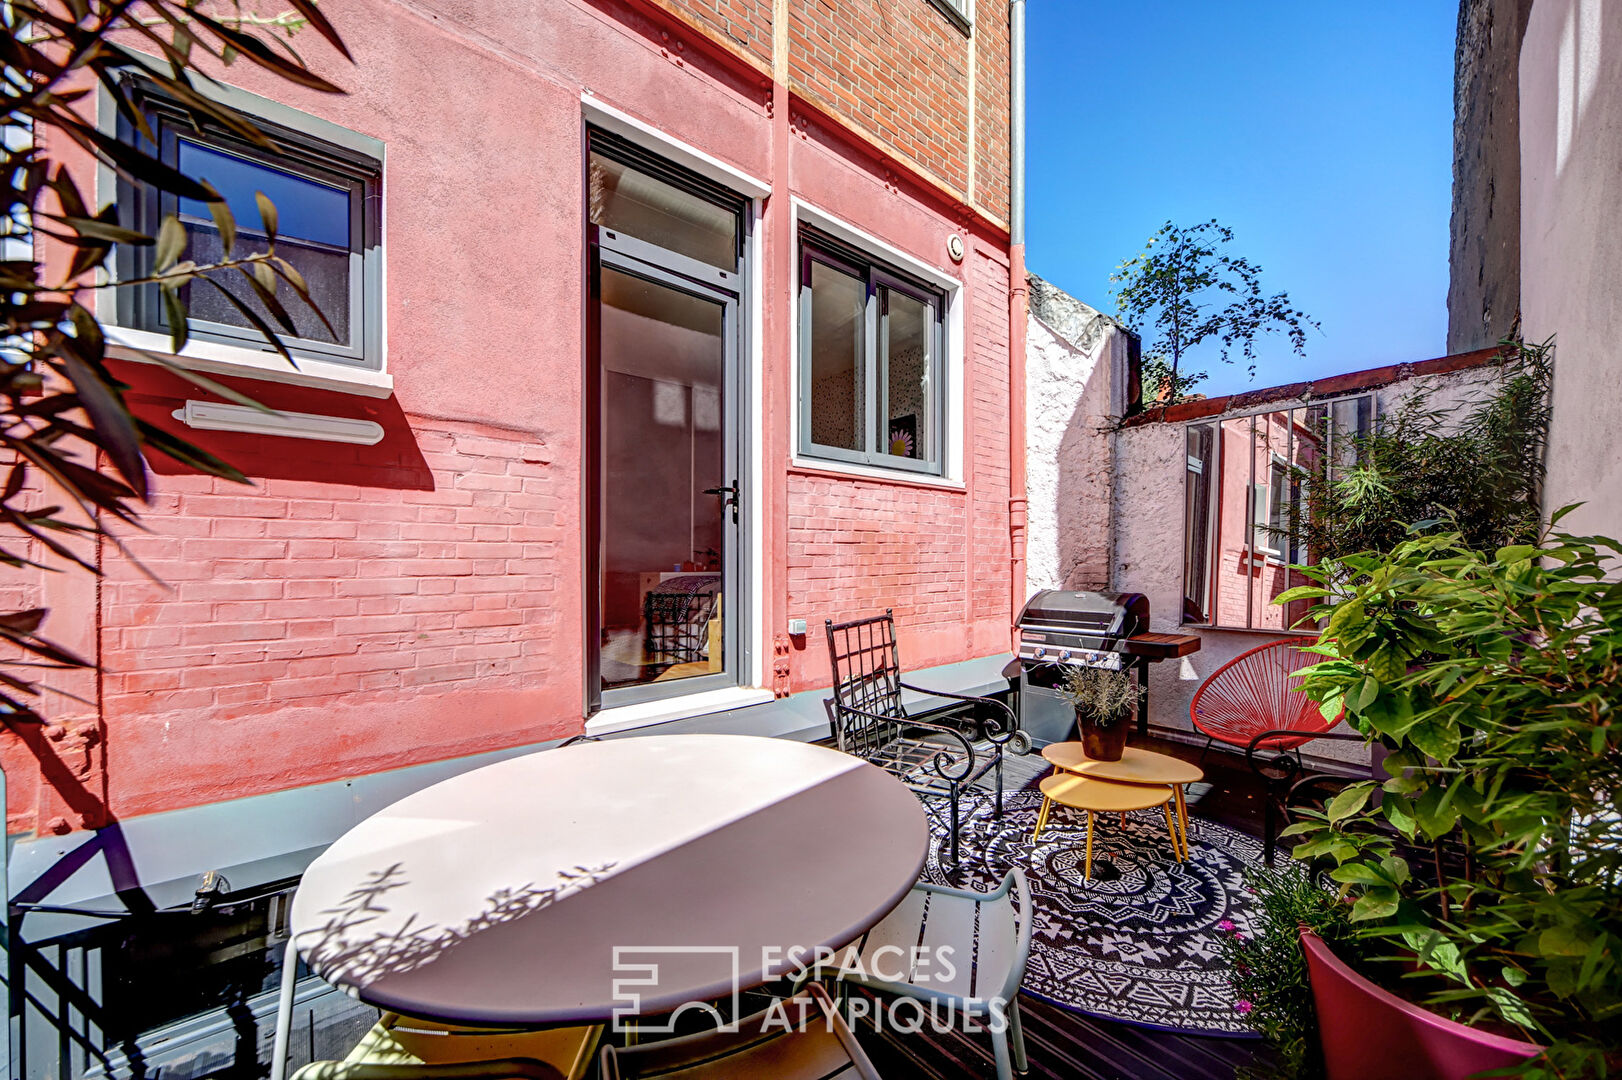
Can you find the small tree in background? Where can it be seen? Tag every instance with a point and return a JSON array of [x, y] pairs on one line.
[[74, 458], [1183, 290]]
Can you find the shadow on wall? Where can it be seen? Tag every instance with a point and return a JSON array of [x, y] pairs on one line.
[[396, 462], [1076, 371], [1086, 491]]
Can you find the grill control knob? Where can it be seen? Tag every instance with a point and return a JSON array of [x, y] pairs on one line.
[[1041, 651], [1064, 656]]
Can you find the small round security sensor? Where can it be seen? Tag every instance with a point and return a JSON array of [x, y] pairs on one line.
[[954, 247]]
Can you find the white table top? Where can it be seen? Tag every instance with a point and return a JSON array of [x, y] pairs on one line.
[[521, 892]]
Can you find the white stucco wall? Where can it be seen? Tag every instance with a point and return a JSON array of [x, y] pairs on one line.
[[1150, 467], [1571, 244], [1073, 390]]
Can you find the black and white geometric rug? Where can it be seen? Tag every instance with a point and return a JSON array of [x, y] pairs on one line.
[[1137, 944]]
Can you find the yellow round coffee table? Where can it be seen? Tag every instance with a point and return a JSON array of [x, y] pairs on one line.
[[1102, 797], [1135, 767]]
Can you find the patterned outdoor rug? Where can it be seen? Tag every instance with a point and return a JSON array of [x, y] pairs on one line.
[[1139, 944]]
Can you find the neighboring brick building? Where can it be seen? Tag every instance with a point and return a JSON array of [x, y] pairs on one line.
[[590, 229]]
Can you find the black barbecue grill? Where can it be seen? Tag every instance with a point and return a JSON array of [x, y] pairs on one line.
[[1084, 629], [1060, 628]]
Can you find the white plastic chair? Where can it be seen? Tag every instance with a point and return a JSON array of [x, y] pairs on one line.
[[989, 944]]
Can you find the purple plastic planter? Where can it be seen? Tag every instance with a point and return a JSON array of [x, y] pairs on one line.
[[1369, 1033]]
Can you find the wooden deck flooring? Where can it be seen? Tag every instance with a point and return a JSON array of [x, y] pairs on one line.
[[1065, 1044]]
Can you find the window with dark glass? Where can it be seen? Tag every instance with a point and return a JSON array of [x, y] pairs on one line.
[[326, 199], [871, 344]]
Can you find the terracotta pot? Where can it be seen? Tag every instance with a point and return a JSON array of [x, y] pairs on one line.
[[1102, 743], [1412, 1042]]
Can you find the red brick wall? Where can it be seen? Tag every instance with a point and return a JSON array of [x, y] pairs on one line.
[[991, 111], [745, 23], [899, 71], [897, 68]]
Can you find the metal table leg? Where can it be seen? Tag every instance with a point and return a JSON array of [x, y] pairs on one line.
[[284, 1014], [1143, 696]]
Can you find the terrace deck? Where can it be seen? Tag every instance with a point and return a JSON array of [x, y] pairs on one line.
[[1065, 1044]]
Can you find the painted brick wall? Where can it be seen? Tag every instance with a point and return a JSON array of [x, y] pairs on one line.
[[366, 608], [746, 23], [988, 444], [858, 547], [438, 575], [897, 68]]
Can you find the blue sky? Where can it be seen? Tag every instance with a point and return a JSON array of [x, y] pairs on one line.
[[1320, 133]]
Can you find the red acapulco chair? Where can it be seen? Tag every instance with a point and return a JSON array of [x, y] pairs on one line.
[[1255, 702]]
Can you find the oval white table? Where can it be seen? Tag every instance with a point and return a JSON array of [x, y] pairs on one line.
[[520, 893]]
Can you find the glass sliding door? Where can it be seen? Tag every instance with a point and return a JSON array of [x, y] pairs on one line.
[[663, 453]]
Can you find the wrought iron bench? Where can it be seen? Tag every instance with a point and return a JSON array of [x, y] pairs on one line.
[[940, 756]]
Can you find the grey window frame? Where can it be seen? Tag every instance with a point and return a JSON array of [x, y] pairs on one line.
[[616, 250], [1294, 497], [816, 246], [304, 154]]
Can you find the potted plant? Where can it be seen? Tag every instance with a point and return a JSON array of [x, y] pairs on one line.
[[1103, 699], [1489, 862], [1314, 987]]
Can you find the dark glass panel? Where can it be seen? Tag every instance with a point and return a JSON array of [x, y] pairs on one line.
[[908, 366], [306, 209], [663, 358], [647, 208], [325, 272], [838, 358]]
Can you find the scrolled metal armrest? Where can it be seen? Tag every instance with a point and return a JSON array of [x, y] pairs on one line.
[[942, 760], [992, 730]]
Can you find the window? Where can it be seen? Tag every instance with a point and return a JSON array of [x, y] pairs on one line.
[[960, 12], [327, 200], [871, 344], [1244, 482]]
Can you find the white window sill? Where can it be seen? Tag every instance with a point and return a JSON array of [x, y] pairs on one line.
[[647, 713], [217, 358], [873, 472]]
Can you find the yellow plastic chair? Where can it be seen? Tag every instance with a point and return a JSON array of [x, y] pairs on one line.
[[801, 1038], [406, 1048]]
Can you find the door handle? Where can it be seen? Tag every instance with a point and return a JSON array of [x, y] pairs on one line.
[[729, 496]]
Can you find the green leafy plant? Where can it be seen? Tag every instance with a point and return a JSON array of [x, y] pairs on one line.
[[1185, 289], [1106, 697], [1269, 970], [1492, 856], [63, 415], [1479, 466]]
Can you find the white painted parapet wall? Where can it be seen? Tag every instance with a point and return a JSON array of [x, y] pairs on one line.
[[1075, 391]]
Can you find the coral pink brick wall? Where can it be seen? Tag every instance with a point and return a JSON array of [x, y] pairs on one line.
[[938, 556], [988, 448], [364, 608], [856, 548], [406, 609]]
